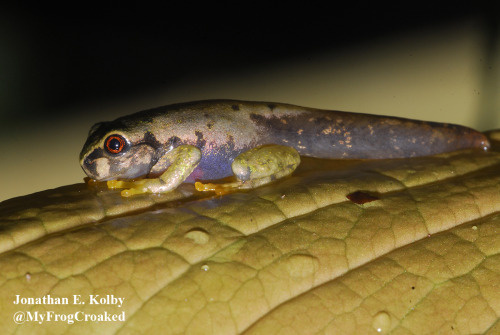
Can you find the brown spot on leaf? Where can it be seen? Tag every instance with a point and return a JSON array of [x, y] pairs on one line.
[[362, 197]]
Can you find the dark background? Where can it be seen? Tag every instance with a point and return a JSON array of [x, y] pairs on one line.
[[54, 57]]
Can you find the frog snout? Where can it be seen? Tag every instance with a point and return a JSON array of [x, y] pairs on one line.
[[96, 168]]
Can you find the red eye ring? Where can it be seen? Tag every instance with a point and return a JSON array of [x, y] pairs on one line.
[[115, 144]]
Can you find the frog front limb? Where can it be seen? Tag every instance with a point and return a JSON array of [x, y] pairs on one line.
[[181, 162], [258, 166]]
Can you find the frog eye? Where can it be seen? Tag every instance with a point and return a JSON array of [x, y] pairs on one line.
[[115, 144]]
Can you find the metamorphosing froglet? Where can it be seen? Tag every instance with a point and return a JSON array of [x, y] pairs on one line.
[[256, 141]]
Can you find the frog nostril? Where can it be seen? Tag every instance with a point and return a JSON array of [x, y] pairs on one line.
[[91, 158]]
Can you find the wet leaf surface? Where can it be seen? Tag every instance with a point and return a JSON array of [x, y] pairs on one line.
[[294, 257]]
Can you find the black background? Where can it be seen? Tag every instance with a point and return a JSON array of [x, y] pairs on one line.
[[55, 57]]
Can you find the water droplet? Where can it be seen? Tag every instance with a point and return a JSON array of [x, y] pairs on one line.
[[205, 267], [301, 265], [198, 235], [381, 322]]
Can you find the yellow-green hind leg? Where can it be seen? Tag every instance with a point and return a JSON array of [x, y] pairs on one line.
[[256, 167]]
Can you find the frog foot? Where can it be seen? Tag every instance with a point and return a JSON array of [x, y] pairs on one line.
[[219, 189], [132, 187], [114, 184]]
